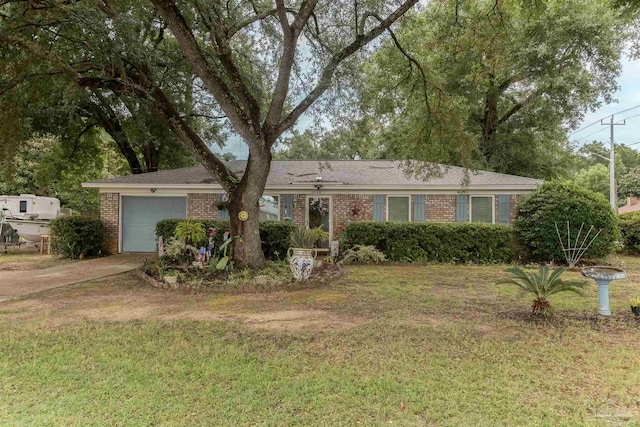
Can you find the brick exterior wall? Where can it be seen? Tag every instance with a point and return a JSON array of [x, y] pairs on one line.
[[440, 208], [299, 209], [344, 206], [202, 206], [110, 217]]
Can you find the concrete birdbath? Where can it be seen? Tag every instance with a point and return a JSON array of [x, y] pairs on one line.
[[603, 275]]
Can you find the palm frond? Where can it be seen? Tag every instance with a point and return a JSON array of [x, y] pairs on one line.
[[543, 283]]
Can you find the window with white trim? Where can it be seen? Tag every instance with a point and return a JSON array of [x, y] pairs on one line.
[[398, 208], [269, 208], [481, 209]]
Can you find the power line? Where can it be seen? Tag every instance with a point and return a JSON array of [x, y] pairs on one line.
[[631, 117], [593, 133], [609, 115]]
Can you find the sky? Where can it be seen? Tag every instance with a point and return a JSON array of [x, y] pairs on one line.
[[627, 96]]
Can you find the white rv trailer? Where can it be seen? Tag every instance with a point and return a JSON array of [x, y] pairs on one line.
[[30, 215]]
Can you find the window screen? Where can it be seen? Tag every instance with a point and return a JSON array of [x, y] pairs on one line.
[[23, 206], [482, 209], [398, 208]]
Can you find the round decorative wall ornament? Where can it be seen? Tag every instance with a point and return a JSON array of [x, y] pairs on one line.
[[243, 215]]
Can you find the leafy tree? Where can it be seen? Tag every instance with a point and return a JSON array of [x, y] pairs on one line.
[[513, 77], [594, 178], [629, 184], [47, 166], [48, 102], [239, 61]]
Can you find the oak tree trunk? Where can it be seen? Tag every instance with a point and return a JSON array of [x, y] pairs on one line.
[[247, 245]]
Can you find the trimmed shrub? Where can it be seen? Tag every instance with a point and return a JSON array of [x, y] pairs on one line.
[[559, 202], [274, 234], [630, 232], [434, 242], [76, 237]]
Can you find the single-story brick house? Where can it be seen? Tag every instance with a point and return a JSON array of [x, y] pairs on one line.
[[308, 193]]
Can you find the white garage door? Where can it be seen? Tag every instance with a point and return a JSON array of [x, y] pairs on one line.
[[139, 218]]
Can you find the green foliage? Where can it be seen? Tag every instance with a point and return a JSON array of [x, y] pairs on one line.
[[434, 242], [360, 254], [542, 285], [75, 237], [635, 301], [178, 251], [190, 231], [320, 236], [274, 234], [630, 232], [275, 238], [594, 178], [559, 202], [503, 80], [300, 237], [630, 183]]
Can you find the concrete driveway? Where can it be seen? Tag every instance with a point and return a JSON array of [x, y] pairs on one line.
[[24, 282]]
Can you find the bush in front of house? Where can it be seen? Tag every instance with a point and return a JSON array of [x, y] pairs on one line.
[[559, 202], [359, 254], [77, 237], [630, 232], [274, 234], [434, 242]]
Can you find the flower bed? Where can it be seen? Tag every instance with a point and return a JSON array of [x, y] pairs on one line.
[[276, 277]]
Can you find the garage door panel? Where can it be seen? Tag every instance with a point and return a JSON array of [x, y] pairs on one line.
[[139, 218]]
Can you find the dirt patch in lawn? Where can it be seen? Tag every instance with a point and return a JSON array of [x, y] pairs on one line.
[[125, 298]]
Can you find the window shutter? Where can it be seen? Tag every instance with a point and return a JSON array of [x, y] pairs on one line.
[[223, 214], [287, 207], [418, 208], [462, 208], [378, 207], [503, 208]]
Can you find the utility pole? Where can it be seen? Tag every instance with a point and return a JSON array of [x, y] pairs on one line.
[[613, 191]]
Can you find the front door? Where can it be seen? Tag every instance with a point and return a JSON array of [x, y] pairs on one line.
[[319, 214]]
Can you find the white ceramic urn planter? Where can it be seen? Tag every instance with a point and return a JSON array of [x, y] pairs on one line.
[[301, 262]]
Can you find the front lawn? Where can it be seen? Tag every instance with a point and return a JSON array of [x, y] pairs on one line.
[[390, 345], [26, 257]]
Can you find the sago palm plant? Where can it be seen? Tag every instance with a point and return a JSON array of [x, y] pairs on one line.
[[542, 285]]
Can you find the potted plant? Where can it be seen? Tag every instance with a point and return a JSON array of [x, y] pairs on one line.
[[635, 306], [171, 277], [302, 253]]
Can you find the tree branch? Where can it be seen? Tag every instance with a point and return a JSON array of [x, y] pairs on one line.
[[291, 35], [519, 106], [197, 60], [327, 75]]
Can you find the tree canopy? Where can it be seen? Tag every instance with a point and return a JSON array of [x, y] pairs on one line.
[[507, 79], [252, 68]]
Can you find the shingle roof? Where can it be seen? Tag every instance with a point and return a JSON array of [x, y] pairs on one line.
[[374, 173]]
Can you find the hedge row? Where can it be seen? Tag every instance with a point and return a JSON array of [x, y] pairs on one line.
[[275, 235], [77, 237], [434, 242], [630, 231]]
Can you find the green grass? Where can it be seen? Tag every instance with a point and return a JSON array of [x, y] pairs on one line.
[[428, 345]]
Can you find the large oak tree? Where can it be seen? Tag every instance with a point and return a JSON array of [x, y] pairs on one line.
[[259, 65]]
